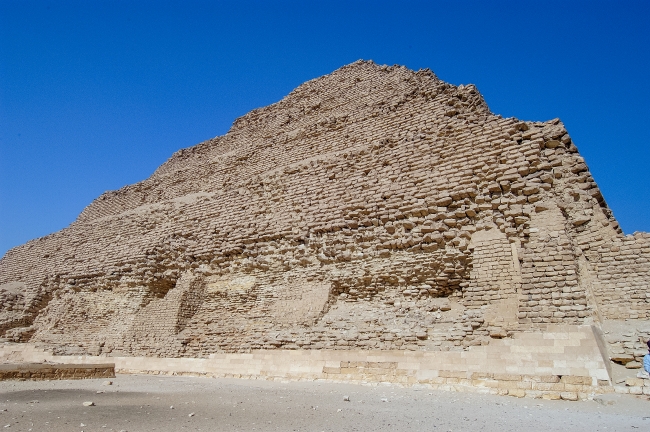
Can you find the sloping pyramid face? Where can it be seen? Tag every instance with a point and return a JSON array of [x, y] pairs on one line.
[[375, 208]]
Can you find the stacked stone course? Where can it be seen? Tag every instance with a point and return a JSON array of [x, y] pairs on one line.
[[39, 371], [375, 208]]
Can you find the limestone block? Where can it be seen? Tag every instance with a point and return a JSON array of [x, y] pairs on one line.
[[571, 396]]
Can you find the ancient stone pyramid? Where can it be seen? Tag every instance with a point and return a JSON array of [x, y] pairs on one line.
[[374, 208]]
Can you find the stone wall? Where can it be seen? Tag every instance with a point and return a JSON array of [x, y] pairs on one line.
[[375, 208], [39, 371], [561, 362]]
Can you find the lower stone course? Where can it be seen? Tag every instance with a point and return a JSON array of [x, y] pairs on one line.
[[635, 386], [39, 371], [563, 362]]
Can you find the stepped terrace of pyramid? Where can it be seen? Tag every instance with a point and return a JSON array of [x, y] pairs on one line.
[[375, 218]]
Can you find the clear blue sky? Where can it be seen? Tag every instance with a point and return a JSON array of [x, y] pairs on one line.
[[95, 95]]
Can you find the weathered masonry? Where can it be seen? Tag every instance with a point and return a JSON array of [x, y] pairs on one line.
[[374, 209]]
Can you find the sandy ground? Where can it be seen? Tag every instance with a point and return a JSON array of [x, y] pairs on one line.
[[154, 403]]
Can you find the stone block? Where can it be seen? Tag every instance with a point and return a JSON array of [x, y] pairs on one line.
[[634, 382], [452, 374], [556, 387], [571, 396], [552, 396], [517, 393], [636, 390]]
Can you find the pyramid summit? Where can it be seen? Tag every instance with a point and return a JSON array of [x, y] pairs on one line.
[[375, 211]]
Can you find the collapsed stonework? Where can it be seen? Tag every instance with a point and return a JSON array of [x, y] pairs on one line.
[[375, 208]]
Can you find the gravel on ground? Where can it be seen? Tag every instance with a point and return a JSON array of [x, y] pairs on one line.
[[136, 403]]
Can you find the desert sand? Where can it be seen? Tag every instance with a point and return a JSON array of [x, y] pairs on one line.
[[174, 403]]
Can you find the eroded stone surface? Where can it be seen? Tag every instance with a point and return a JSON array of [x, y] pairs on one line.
[[375, 208]]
